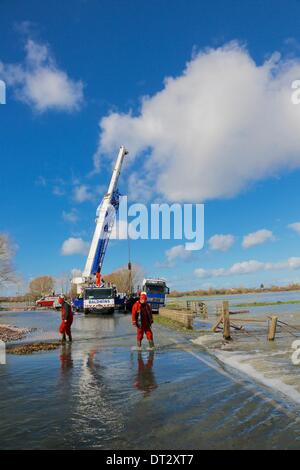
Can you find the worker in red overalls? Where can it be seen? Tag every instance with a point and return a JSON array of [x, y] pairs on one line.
[[66, 320], [142, 319]]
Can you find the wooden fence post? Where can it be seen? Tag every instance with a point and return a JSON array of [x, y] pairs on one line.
[[219, 314], [205, 310], [226, 320], [189, 324], [219, 309], [272, 328]]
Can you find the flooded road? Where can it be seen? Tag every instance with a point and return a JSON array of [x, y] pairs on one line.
[[99, 393]]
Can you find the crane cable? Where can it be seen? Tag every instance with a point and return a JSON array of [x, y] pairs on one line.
[[129, 265]]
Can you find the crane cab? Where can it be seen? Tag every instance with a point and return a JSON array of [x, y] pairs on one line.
[[99, 300]]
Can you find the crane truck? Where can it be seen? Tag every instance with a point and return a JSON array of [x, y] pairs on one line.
[[93, 297]]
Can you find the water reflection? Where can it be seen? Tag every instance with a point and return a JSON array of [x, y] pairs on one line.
[[145, 378], [95, 326], [95, 413], [90, 362], [66, 361]]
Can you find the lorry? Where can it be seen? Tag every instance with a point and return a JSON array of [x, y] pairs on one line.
[[156, 290]]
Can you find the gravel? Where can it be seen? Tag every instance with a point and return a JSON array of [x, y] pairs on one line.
[[12, 333]]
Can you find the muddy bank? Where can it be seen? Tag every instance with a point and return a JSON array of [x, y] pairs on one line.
[[33, 347], [13, 333]]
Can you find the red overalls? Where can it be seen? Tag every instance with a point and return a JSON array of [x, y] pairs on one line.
[[147, 320], [65, 326]]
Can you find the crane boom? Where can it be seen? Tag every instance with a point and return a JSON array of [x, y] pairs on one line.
[[105, 217]]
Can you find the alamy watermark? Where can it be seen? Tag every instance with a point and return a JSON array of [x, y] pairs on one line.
[[295, 97], [2, 353], [2, 92], [183, 222]]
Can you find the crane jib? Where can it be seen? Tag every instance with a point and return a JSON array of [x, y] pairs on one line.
[[99, 255], [105, 217], [103, 242]]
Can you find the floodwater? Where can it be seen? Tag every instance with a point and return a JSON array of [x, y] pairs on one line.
[[269, 363], [99, 393], [246, 298]]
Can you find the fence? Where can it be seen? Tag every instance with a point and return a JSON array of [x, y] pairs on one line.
[[224, 319], [224, 323], [182, 317], [197, 307]]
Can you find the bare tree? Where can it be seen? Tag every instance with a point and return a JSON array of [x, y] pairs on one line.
[[7, 273], [64, 285], [41, 285], [63, 282], [73, 291], [121, 278]]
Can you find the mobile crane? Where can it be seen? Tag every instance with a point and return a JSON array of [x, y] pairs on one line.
[[93, 296]]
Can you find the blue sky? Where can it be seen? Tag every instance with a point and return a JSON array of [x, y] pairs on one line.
[[96, 60]]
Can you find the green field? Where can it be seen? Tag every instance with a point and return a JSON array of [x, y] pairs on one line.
[[263, 304]]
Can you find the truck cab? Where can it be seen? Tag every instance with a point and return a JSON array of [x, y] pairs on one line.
[[99, 300], [156, 290]]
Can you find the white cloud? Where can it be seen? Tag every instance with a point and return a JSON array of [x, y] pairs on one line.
[[200, 272], [74, 246], [248, 267], [40, 83], [82, 193], [257, 238], [176, 253], [293, 263], [295, 226], [224, 123], [41, 181], [57, 191], [71, 216], [221, 242]]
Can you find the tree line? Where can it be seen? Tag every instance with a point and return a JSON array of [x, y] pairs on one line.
[[124, 279], [233, 290]]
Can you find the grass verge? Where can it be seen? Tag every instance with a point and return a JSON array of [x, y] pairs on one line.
[[174, 325]]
